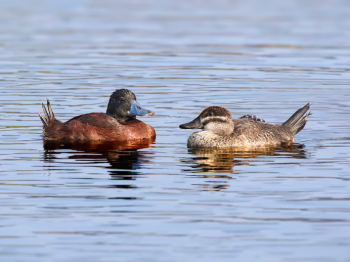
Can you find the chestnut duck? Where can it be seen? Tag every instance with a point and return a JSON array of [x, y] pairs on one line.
[[119, 123]]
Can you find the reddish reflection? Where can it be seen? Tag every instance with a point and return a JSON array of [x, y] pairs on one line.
[[125, 158]]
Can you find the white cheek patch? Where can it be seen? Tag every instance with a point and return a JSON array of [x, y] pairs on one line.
[[211, 126], [213, 117]]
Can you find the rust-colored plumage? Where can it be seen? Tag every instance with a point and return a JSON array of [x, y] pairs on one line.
[[118, 124]]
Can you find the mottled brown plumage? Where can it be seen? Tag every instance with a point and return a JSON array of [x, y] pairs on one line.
[[220, 130], [118, 124]]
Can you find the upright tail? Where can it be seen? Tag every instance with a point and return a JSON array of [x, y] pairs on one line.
[[48, 114], [298, 120]]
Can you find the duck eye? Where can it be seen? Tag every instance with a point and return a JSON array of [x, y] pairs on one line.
[[210, 113]]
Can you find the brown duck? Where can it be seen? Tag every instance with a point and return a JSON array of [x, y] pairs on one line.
[[220, 130], [119, 123]]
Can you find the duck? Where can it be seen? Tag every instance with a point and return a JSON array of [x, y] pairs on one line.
[[119, 123], [220, 130]]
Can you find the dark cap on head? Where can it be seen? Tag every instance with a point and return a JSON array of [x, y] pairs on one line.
[[210, 114]]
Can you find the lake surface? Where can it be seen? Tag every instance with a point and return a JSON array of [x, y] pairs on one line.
[[164, 202]]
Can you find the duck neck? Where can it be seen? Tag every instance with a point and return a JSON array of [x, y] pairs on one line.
[[221, 128], [120, 116]]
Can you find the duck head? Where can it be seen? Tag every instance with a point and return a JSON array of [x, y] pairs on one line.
[[123, 106], [214, 118]]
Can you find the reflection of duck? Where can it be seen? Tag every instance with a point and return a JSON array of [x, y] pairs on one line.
[[119, 123], [125, 158], [222, 160], [220, 130]]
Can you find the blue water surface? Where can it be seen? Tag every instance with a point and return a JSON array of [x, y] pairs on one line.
[[164, 202]]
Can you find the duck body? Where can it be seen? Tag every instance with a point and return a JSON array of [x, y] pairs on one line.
[[119, 123], [98, 126], [220, 130], [247, 133]]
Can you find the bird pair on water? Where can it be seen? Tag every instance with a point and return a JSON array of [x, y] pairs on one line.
[[119, 123]]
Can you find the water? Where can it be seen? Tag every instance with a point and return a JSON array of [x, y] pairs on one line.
[[164, 202]]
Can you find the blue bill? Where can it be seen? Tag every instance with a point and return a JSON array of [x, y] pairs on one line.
[[138, 110]]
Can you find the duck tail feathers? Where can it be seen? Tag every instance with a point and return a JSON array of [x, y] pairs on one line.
[[48, 114], [298, 120]]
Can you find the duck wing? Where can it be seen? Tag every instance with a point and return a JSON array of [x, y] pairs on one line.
[[99, 120], [247, 127]]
